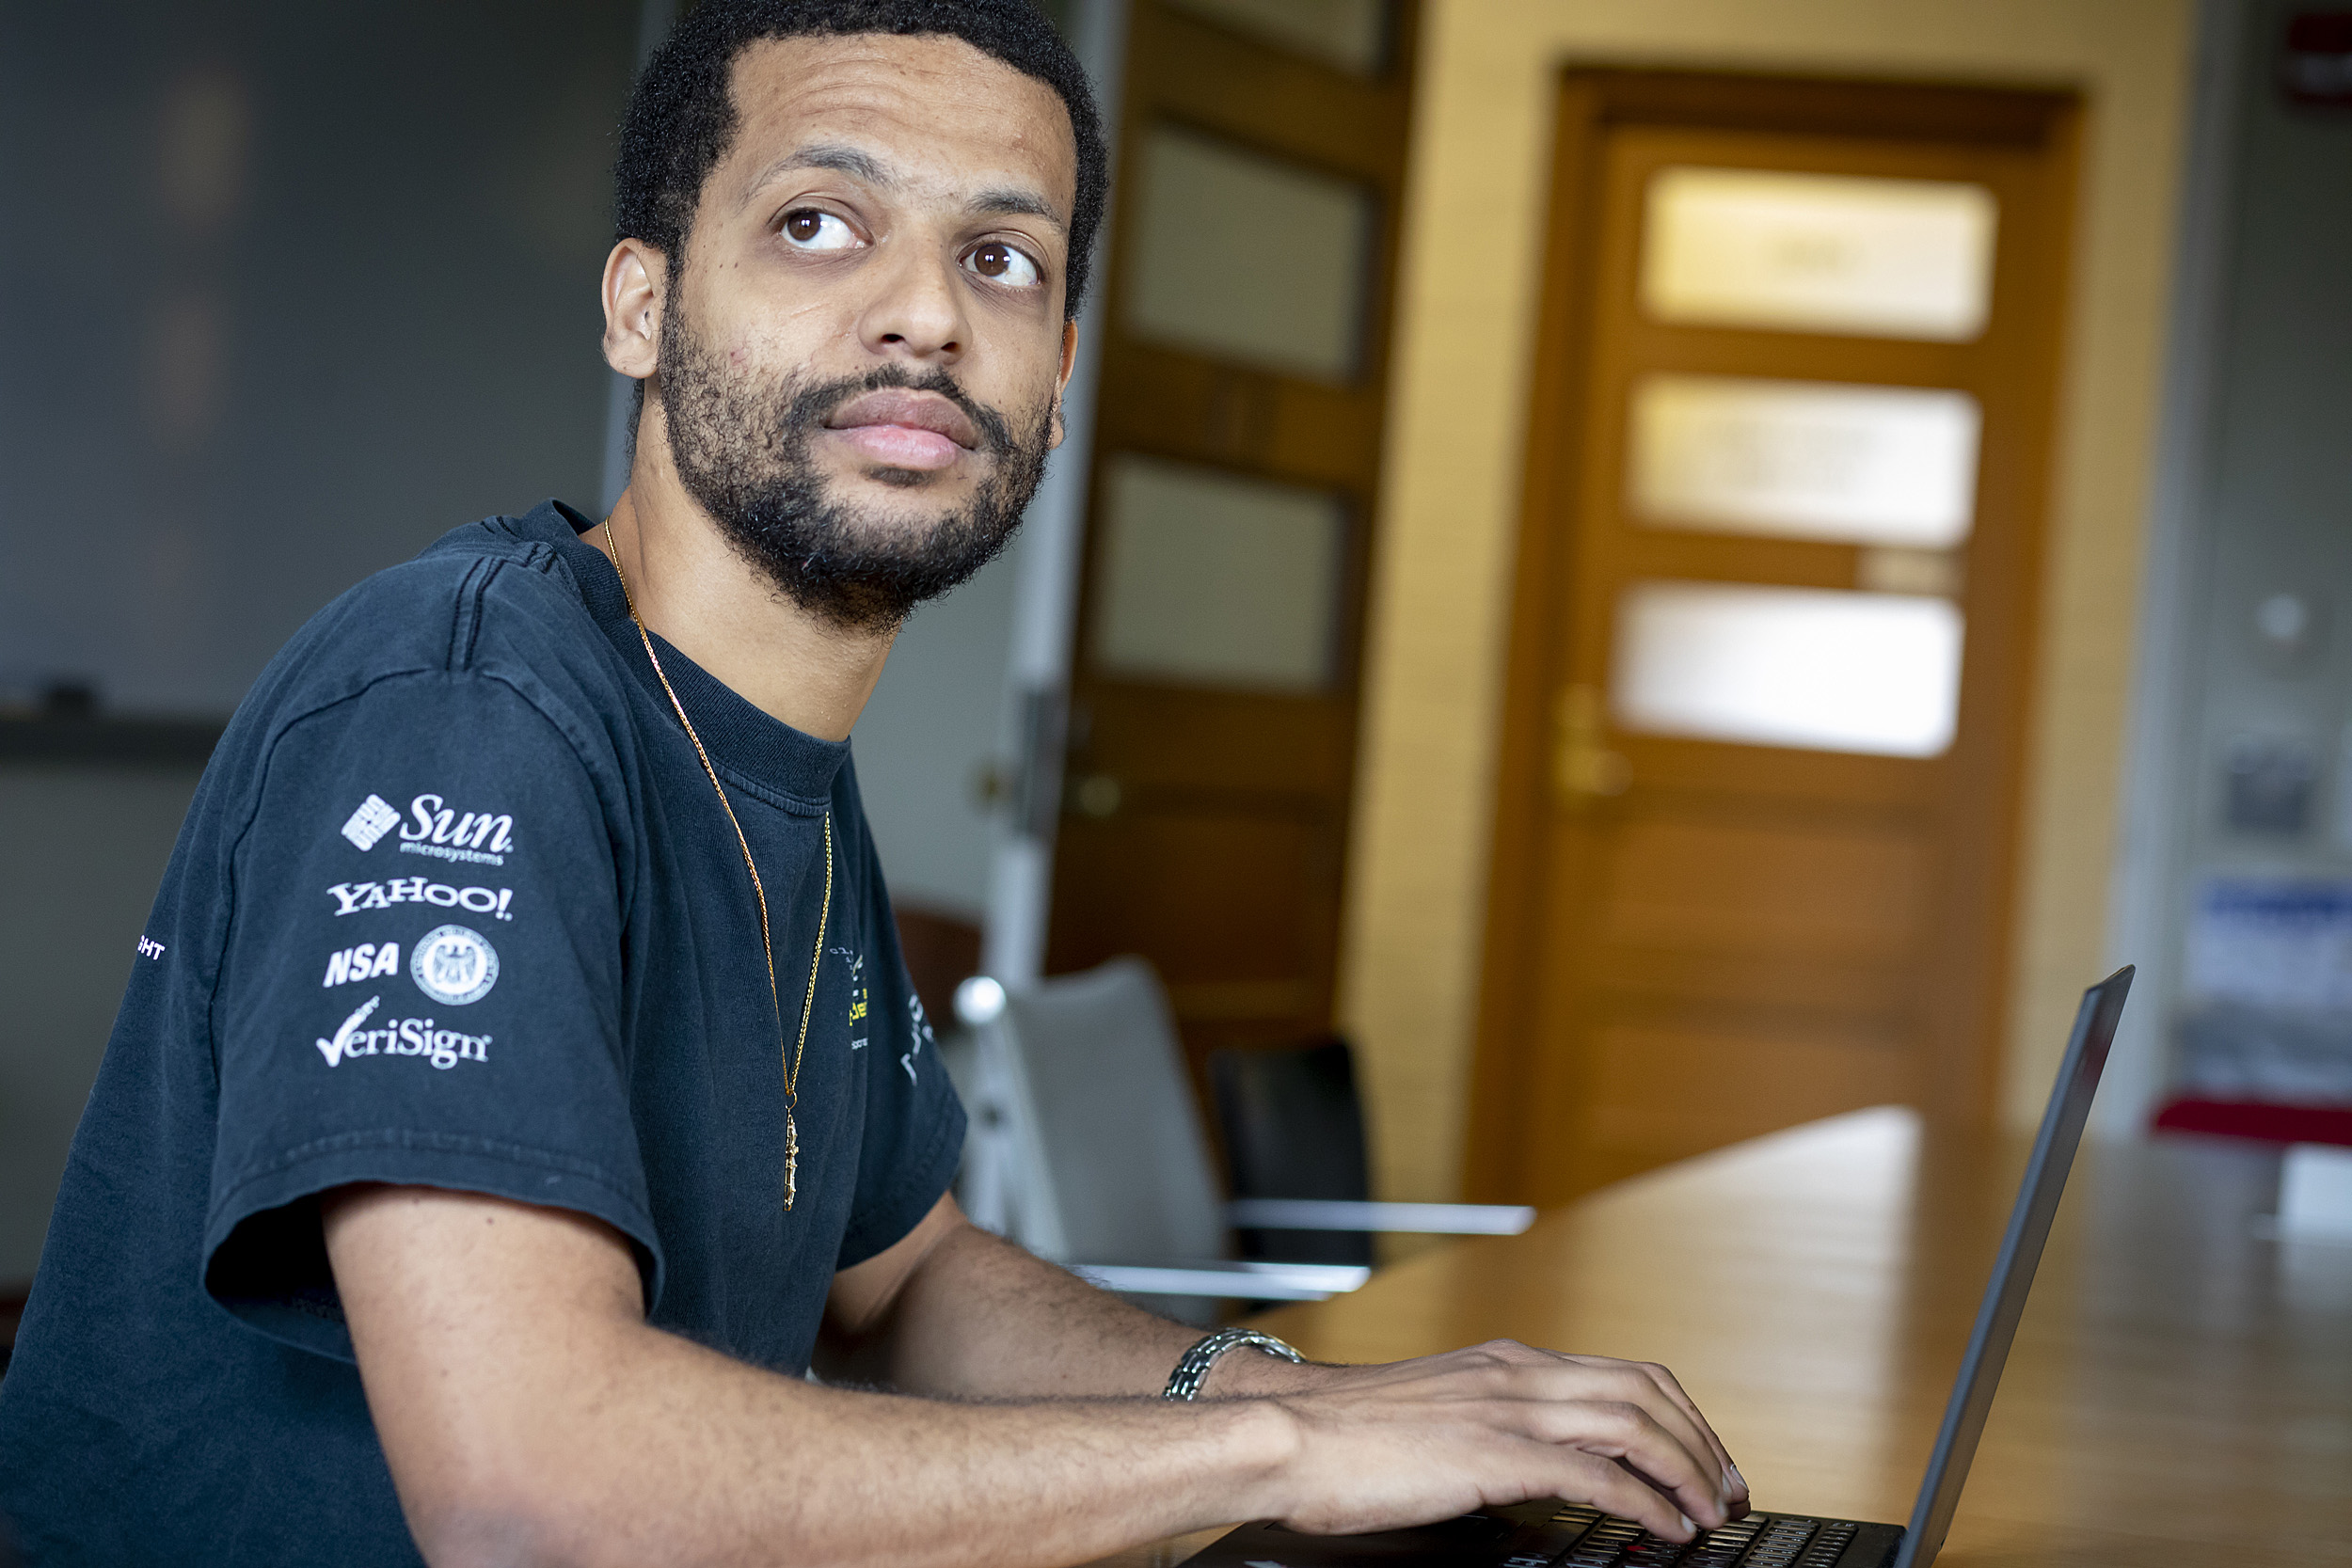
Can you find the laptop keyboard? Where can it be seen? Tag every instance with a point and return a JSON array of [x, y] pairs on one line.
[[1760, 1541]]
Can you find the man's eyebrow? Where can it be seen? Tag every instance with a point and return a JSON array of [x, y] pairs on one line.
[[1013, 201], [841, 159], [861, 165]]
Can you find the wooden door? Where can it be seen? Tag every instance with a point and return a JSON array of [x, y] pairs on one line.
[[1773, 619], [1213, 695]]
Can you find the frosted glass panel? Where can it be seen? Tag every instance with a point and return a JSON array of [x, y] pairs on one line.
[[1834, 672], [1805, 459], [1249, 258], [1350, 34], [1207, 578], [1818, 253]]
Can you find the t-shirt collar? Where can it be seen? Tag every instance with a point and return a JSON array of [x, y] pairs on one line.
[[742, 739]]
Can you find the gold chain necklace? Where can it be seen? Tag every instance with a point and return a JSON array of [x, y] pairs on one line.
[[824, 913]]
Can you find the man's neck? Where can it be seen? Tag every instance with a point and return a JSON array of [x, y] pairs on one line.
[[716, 608]]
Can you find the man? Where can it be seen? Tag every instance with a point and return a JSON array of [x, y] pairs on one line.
[[518, 1083]]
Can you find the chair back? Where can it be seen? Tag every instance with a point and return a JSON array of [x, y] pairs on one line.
[[1101, 1154], [1293, 1127]]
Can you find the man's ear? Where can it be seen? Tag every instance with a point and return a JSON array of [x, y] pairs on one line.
[[633, 275], [1061, 382]]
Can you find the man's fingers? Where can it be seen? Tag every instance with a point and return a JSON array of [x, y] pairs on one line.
[[1621, 1435], [1660, 1385], [1508, 1365], [1627, 1433], [1614, 1489], [1626, 1383], [1504, 1370], [1735, 1483]]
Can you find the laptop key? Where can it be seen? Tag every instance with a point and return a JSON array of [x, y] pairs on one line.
[[1604, 1540], [1825, 1551], [1780, 1544]]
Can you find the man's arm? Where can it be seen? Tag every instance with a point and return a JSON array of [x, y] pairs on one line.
[[528, 1414], [953, 1311]]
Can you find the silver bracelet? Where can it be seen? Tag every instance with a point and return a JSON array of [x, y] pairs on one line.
[[1192, 1368]]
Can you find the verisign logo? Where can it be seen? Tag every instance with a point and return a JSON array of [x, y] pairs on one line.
[[335, 1048], [402, 1037]]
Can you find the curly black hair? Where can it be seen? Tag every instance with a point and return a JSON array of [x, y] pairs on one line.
[[682, 116]]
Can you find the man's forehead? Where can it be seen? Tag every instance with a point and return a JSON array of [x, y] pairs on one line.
[[930, 108]]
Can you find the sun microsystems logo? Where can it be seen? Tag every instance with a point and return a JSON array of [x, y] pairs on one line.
[[372, 820], [435, 829]]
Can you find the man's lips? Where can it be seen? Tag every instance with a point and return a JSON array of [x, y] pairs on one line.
[[902, 429]]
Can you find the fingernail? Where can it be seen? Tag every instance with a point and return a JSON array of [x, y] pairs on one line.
[[1738, 1482], [1687, 1523]]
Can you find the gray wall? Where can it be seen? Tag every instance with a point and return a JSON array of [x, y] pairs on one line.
[[936, 724], [2277, 514], [81, 850], [2273, 513], [300, 286]]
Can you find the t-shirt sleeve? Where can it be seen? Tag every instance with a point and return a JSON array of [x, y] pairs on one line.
[[914, 1122], [421, 985]]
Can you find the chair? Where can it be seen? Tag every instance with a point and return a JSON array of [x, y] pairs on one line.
[[1086, 1148], [1293, 1127]]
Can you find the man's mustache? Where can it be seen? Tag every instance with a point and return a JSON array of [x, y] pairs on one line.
[[813, 405]]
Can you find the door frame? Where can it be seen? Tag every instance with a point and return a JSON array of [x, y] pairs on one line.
[[1253, 422], [1960, 1080]]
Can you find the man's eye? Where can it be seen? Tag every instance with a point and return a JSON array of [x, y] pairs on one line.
[[811, 229], [1002, 264]]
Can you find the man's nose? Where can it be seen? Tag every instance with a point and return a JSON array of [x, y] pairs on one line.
[[917, 311]]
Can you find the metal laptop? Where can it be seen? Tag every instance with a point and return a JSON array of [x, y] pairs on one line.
[[1552, 1535]]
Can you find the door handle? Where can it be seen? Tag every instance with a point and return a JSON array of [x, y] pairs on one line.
[[1096, 795], [1582, 769]]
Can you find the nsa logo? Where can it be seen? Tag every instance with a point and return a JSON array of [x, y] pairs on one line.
[[454, 965], [372, 820]]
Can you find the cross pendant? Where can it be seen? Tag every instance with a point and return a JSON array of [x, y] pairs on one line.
[[791, 1161]]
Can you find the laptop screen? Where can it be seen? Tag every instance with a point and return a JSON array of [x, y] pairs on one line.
[[2012, 1270]]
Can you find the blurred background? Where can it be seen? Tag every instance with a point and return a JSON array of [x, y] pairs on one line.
[[1666, 568]]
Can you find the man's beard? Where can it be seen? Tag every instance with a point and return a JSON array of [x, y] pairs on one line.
[[742, 451]]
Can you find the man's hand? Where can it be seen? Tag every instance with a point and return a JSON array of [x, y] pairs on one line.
[[1500, 1423], [528, 1413], [954, 1310]]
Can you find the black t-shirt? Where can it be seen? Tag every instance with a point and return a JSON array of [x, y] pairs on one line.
[[456, 905]]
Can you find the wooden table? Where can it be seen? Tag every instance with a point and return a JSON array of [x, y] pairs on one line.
[[2180, 1393]]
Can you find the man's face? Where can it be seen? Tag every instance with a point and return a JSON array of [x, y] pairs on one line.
[[861, 359]]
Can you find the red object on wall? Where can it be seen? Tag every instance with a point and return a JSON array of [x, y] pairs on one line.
[[2315, 63], [2277, 1124]]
